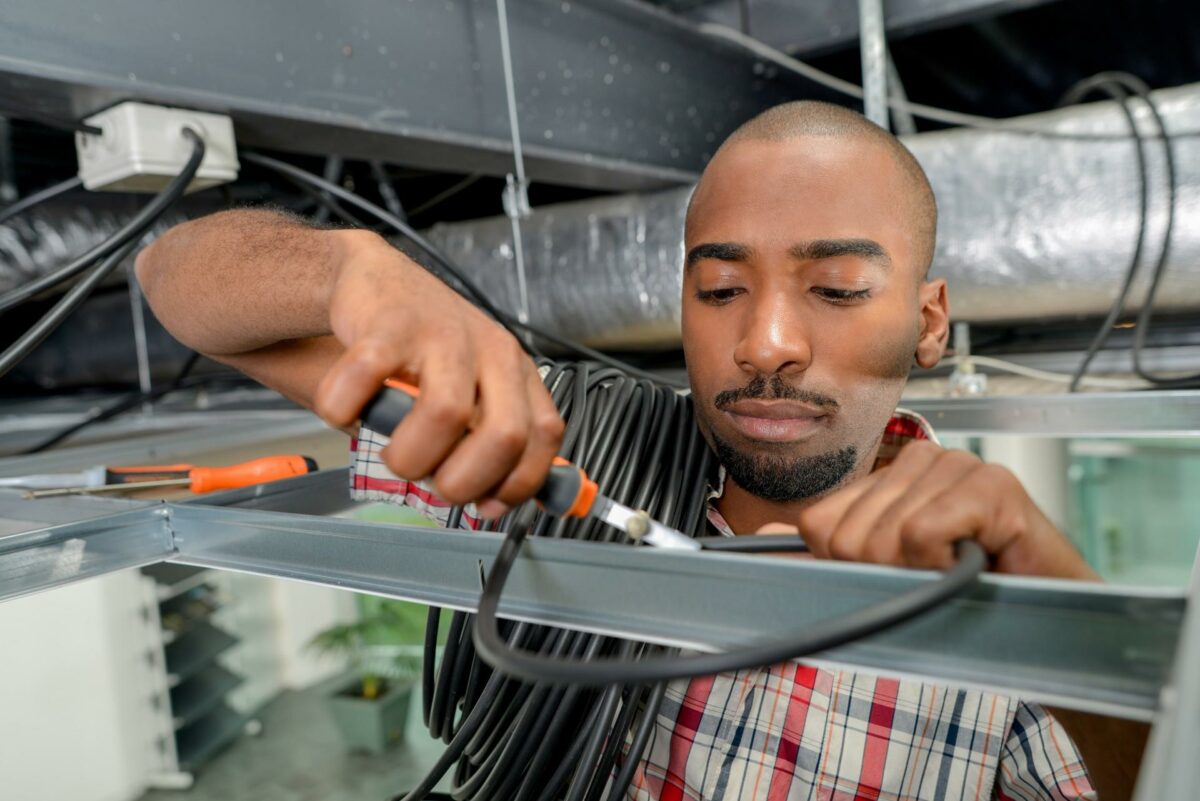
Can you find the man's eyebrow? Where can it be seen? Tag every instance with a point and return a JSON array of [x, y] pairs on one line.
[[817, 249], [721, 251]]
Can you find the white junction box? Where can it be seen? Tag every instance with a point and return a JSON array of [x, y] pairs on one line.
[[141, 147]]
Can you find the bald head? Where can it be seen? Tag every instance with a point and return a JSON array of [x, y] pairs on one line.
[[816, 120]]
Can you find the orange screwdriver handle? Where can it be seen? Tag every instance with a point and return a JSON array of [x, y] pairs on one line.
[[568, 492], [257, 471]]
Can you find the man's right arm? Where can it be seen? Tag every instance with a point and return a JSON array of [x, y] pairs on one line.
[[324, 316]]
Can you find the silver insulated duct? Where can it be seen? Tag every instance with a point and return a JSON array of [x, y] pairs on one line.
[[1031, 227]]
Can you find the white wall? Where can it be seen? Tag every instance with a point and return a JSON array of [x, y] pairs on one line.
[[1041, 463], [301, 611], [75, 715], [76, 720], [275, 619]]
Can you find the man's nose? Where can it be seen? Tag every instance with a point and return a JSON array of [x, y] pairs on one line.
[[775, 339]]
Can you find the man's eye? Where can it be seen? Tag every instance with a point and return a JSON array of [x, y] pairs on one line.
[[717, 296], [841, 296]]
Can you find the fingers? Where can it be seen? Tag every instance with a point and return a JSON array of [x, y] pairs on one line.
[[983, 504], [355, 378], [912, 513], [494, 448], [899, 523], [859, 524], [441, 415], [819, 522], [891, 516], [546, 428]]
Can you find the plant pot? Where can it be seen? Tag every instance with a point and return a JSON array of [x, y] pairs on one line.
[[373, 725]]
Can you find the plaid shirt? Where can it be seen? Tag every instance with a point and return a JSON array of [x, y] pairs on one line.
[[797, 732]]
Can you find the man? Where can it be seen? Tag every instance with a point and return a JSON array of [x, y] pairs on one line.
[[805, 304]]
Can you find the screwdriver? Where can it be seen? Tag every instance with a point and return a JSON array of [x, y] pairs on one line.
[[568, 492], [198, 479]]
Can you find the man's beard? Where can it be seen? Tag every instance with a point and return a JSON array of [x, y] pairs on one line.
[[783, 478], [779, 477]]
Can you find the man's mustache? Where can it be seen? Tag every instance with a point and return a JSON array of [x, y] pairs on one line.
[[773, 387]]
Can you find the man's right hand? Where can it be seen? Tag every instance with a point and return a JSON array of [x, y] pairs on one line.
[[324, 316], [484, 428]]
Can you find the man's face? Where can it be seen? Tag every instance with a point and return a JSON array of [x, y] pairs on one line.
[[801, 309]]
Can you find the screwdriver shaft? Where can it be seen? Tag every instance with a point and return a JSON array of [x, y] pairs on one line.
[[127, 487]]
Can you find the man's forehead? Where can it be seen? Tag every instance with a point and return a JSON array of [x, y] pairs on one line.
[[835, 187], [818, 157]]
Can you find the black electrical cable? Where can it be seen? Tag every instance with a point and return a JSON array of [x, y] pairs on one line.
[[38, 332], [588, 353], [1146, 312], [31, 200], [1114, 89], [131, 401], [117, 248], [333, 174], [828, 634], [641, 739], [386, 190], [1120, 86], [323, 201], [131, 231]]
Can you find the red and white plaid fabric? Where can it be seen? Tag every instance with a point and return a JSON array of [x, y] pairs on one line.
[[793, 732]]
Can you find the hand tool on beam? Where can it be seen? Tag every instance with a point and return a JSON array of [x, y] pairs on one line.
[[197, 479]]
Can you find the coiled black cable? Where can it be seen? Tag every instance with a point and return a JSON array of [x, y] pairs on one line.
[[513, 741]]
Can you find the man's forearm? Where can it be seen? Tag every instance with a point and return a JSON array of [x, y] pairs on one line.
[[237, 281]]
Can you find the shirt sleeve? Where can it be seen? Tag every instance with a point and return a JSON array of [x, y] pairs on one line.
[[1039, 762], [370, 480]]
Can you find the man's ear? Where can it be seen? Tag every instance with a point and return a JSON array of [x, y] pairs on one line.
[[935, 323]]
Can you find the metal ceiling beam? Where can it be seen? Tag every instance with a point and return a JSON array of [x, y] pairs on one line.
[[1174, 413], [612, 93], [1075, 644], [811, 27]]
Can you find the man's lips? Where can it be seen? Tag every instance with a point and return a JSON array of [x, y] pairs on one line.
[[775, 420]]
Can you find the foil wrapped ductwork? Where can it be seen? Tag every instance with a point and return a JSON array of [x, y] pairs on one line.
[[50, 235], [1031, 227]]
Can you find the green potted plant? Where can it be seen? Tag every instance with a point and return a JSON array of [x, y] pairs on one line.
[[371, 707]]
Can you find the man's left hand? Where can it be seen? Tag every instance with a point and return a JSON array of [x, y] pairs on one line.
[[911, 512]]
